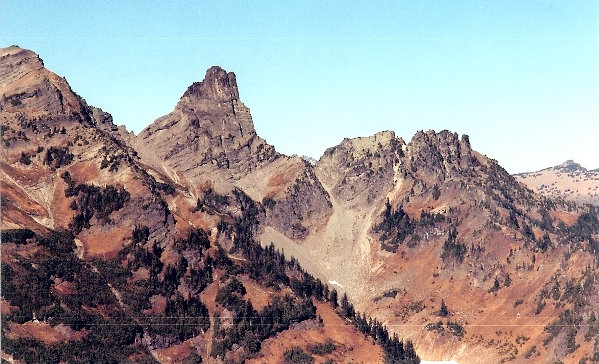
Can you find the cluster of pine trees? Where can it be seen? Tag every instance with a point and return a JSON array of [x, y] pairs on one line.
[[453, 248], [396, 225], [92, 201], [57, 157], [118, 336], [272, 266], [29, 285], [249, 327]]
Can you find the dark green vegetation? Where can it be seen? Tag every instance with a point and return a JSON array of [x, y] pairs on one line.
[[270, 266], [25, 159], [577, 293], [93, 201], [586, 226], [322, 348], [453, 328], [112, 330], [211, 200], [443, 311], [250, 327], [297, 356], [109, 333], [453, 248], [123, 328], [57, 157], [396, 226]]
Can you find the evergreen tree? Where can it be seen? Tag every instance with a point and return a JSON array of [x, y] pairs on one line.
[[333, 298], [443, 311]]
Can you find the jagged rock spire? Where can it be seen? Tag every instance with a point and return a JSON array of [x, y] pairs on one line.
[[218, 85]]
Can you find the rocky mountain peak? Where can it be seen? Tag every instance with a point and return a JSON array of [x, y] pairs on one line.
[[218, 85], [440, 153], [26, 86], [570, 166], [359, 169], [209, 133], [361, 147], [569, 181], [15, 55], [444, 137]]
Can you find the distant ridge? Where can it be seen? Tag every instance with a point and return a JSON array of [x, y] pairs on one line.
[[569, 181]]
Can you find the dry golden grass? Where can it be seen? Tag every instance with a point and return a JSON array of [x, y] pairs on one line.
[[43, 332], [97, 243]]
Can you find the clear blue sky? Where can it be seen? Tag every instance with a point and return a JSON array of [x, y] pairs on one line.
[[520, 77]]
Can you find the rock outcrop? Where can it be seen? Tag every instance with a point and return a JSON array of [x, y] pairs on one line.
[[209, 141], [209, 135], [361, 169], [27, 87]]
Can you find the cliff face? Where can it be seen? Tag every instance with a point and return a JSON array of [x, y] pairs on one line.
[[52, 140], [442, 154], [400, 227], [27, 87], [361, 169], [209, 135], [209, 141]]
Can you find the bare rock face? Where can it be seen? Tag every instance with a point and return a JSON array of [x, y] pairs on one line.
[[27, 87], [103, 121], [209, 140], [440, 153], [218, 85], [361, 170], [209, 135], [305, 203]]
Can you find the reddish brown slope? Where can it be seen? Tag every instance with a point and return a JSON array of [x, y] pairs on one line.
[[130, 231]]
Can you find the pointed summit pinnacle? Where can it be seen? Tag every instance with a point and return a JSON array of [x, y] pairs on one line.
[[218, 85]]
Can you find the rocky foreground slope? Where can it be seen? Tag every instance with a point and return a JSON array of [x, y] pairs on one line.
[[429, 237]]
